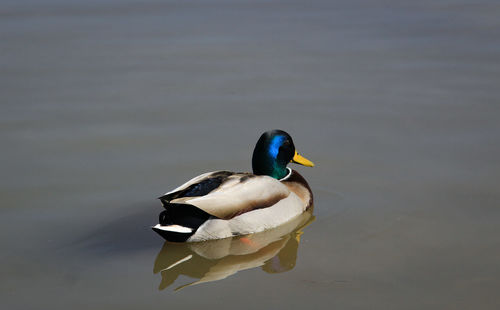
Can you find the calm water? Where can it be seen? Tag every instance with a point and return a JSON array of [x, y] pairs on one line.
[[108, 104]]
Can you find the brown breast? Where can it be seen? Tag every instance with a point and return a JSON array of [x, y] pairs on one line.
[[297, 184]]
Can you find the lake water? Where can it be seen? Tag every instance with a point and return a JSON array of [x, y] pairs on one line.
[[108, 104]]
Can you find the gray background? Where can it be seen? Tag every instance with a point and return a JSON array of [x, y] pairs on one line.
[[108, 104]]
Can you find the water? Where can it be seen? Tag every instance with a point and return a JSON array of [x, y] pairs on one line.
[[108, 104]]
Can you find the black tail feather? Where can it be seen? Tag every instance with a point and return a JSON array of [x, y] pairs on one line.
[[184, 215]]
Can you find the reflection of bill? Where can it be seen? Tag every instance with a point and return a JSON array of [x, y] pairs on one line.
[[275, 250]]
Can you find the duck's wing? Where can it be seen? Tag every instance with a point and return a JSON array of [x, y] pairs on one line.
[[197, 186], [226, 194]]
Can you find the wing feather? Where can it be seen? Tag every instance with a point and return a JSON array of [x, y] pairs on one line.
[[239, 193], [197, 186]]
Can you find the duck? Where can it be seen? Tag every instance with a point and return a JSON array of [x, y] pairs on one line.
[[223, 204]]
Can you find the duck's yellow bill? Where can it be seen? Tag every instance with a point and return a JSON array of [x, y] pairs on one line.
[[298, 159]]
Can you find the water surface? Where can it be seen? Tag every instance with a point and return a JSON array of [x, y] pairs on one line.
[[108, 104]]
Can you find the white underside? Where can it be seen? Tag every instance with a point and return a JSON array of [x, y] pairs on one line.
[[251, 222]]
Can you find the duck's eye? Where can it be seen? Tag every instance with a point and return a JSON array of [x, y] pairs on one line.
[[285, 147]]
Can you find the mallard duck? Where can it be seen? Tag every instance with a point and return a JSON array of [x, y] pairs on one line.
[[222, 204]]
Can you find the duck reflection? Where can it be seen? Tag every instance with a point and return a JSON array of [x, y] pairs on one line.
[[275, 250]]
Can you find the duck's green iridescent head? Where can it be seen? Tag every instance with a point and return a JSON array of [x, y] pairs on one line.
[[273, 152]]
